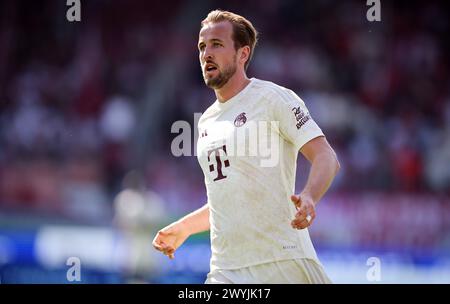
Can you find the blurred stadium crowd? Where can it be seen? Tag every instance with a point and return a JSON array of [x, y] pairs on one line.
[[86, 108]]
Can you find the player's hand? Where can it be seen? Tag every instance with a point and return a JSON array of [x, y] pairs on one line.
[[306, 212], [168, 239]]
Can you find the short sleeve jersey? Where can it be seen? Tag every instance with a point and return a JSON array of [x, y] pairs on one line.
[[247, 149]]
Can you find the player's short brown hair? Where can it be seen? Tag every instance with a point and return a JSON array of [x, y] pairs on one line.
[[244, 33]]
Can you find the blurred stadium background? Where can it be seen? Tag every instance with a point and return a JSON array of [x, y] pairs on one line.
[[86, 110]]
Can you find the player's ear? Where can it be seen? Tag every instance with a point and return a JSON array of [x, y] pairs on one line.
[[244, 53]]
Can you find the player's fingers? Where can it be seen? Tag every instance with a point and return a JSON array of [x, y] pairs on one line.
[[304, 212], [306, 208], [296, 200], [302, 224], [158, 244], [168, 249], [301, 211], [298, 221], [161, 246], [299, 218]]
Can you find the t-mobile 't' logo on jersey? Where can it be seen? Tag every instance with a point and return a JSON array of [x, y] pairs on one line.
[[226, 163]]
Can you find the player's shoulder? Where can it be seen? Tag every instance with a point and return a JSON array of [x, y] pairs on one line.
[[266, 85], [274, 92]]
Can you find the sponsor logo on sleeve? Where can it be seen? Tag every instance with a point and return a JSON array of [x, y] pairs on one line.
[[300, 116]]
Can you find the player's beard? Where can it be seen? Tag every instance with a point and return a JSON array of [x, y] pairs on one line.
[[223, 76]]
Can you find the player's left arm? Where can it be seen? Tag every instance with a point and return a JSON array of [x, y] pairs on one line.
[[324, 167]]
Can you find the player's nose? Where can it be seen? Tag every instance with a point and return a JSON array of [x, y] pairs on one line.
[[207, 54]]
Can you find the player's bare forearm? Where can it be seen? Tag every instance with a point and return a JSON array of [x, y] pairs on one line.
[[322, 172], [168, 239], [196, 221], [324, 167]]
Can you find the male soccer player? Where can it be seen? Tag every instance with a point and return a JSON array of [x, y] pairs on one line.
[[257, 224]]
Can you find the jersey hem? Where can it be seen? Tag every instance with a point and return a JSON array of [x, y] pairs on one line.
[[213, 267]]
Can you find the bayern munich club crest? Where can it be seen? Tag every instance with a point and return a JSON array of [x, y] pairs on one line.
[[240, 120]]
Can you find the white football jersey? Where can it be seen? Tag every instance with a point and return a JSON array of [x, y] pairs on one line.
[[247, 149]]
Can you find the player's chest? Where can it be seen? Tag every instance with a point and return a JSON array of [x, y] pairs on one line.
[[234, 141], [234, 129]]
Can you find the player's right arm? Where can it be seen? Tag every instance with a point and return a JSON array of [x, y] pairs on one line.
[[168, 239]]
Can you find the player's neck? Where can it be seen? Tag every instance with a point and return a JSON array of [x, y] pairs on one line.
[[234, 85]]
